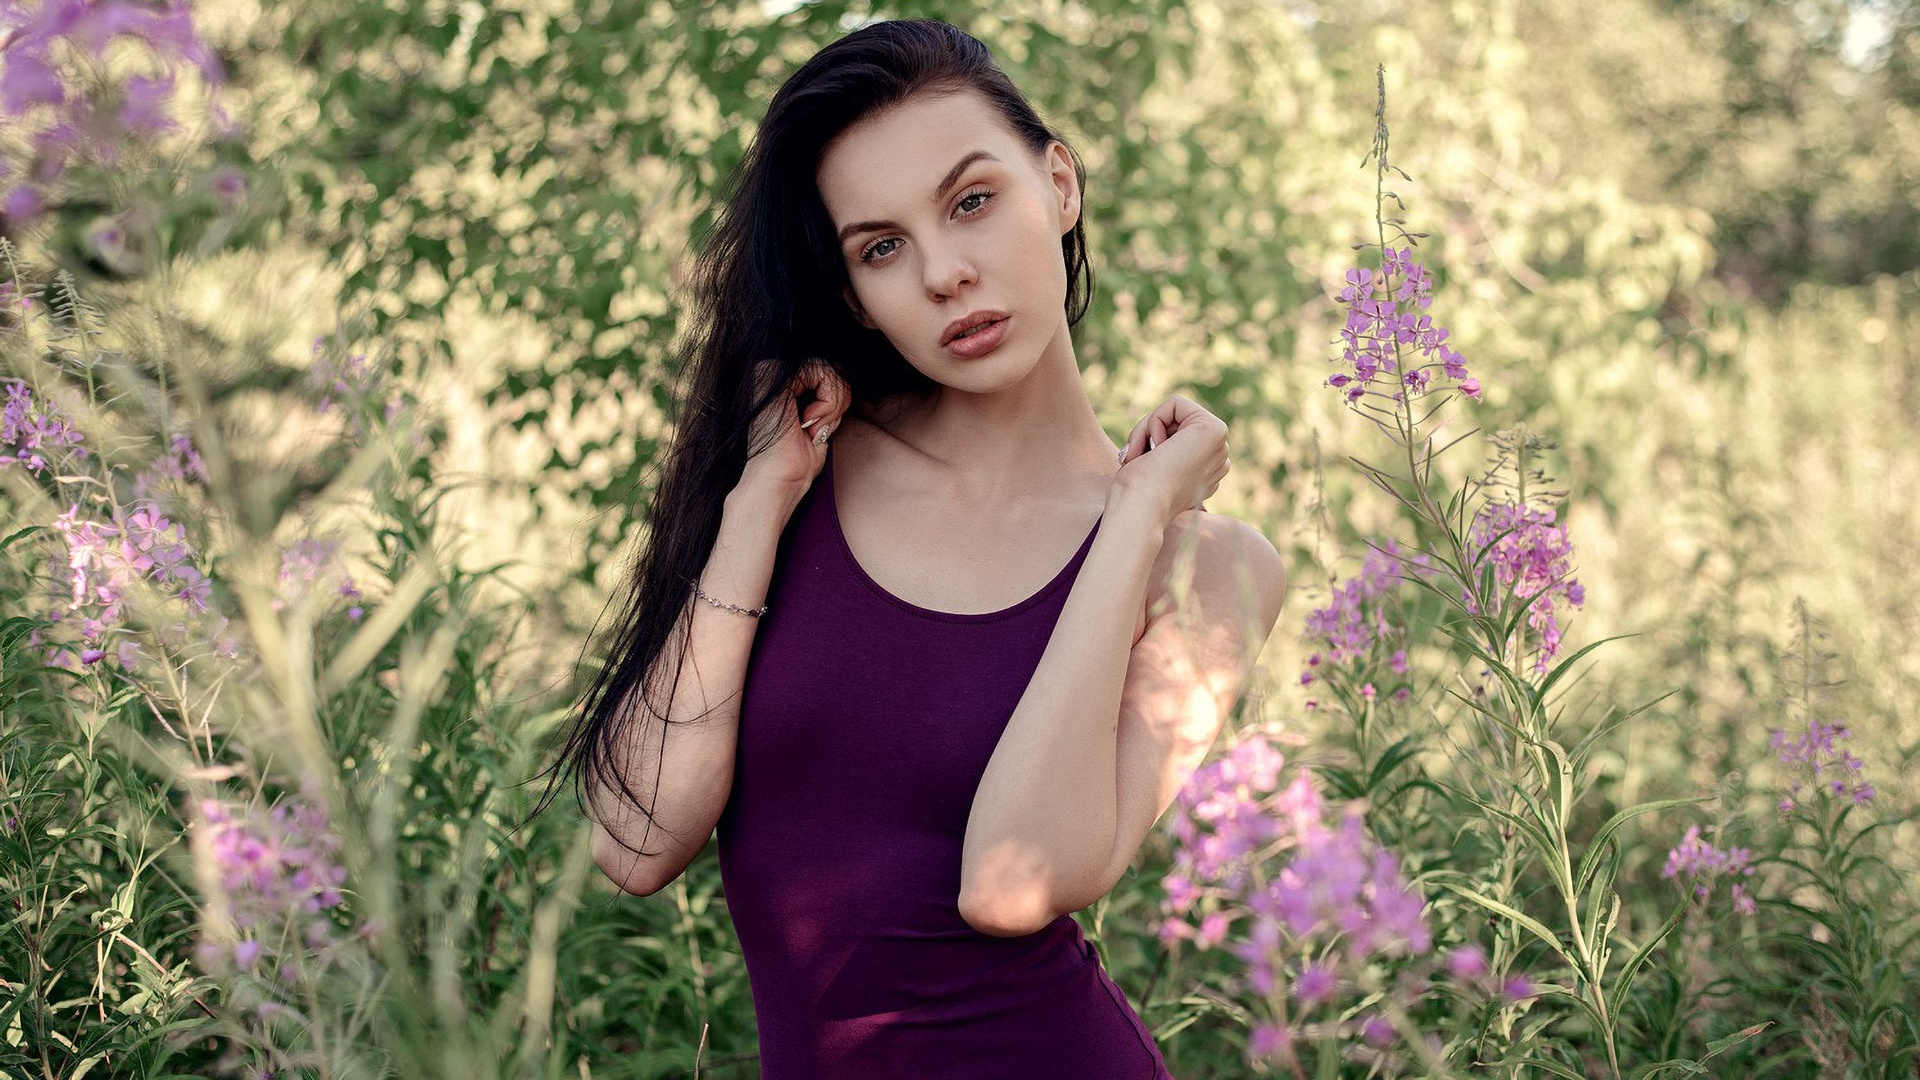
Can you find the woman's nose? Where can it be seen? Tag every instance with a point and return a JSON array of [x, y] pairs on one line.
[[948, 270]]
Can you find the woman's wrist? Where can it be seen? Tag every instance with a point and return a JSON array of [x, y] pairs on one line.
[[1132, 506], [760, 502]]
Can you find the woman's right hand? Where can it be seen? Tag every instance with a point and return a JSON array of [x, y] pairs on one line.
[[788, 443]]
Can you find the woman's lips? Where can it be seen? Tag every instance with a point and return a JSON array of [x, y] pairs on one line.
[[980, 342]]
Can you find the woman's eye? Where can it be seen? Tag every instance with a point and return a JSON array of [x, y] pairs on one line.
[[974, 201], [880, 248]]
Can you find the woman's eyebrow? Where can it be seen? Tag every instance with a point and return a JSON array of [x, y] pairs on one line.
[[953, 174], [939, 192]]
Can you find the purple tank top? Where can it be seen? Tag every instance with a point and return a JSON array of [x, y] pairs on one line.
[[865, 726]]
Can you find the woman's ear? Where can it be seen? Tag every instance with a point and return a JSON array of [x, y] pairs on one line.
[[1066, 184], [853, 305]]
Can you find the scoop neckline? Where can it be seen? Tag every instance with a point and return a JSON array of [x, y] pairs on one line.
[[846, 550]]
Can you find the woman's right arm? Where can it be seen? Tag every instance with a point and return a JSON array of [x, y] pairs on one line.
[[681, 768]]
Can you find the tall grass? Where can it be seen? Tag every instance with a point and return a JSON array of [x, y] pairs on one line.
[[266, 728]]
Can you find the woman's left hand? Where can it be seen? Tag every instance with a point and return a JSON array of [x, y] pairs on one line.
[[1174, 459]]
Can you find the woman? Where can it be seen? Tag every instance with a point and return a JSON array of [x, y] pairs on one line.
[[908, 630]]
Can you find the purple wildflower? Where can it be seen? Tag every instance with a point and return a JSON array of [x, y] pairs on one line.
[[277, 871], [1532, 557], [337, 378], [1814, 758], [1259, 855], [1467, 962], [1269, 1041], [1355, 617], [1390, 346], [146, 105], [106, 560], [31, 428], [229, 187], [1377, 1031], [26, 81], [311, 569], [35, 89], [1315, 983], [179, 464], [1701, 863]]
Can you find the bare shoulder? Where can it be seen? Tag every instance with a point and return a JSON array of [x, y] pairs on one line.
[[1223, 571]]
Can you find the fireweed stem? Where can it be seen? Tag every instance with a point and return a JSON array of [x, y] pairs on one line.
[[1525, 708]]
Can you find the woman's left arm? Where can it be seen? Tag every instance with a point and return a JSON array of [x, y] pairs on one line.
[[1117, 716]]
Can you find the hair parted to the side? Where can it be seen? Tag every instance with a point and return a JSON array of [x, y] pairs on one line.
[[768, 298]]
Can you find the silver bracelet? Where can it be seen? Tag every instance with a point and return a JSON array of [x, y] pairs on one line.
[[724, 606]]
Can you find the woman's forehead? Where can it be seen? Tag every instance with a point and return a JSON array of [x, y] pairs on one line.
[[904, 152]]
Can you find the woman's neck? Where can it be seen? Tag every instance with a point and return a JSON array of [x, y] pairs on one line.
[[1029, 435]]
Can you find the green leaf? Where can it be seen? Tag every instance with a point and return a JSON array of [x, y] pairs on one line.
[[1683, 1066], [1625, 980], [1520, 918], [1598, 845], [1743, 1035], [1560, 669], [1543, 1064], [20, 534]]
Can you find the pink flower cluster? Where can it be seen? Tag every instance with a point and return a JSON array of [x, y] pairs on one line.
[[106, 560], [1389, 344], [1532, 558], [1816, 759], [1700, 862], [47, 41], [278, 873], [1355, 618], [1313, 901], [31, 428]]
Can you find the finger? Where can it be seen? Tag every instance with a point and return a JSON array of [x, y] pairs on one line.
[[837, 394], [1136, 443], [1157, 430], [830, 398]]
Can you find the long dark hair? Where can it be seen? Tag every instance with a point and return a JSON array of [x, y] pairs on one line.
[[767, 298]]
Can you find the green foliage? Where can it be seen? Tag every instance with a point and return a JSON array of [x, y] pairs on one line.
[[1676, 236], [91, 950]]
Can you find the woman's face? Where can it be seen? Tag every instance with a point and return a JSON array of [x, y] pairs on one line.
[[950, 227]]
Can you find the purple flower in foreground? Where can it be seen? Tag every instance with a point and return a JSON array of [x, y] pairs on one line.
[[179, 464], [39, 86], [277, 871], [1467, 962], [229, 187], [22, 204], [1269, 1041], [146, 104], [105, 561], [1315, 983], [1377, 1031], [28, 80], [1311, 904]]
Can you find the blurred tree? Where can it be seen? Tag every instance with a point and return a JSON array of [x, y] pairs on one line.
[[1793, 122]]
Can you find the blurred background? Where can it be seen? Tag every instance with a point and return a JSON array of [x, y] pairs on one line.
[[1678, 238]]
